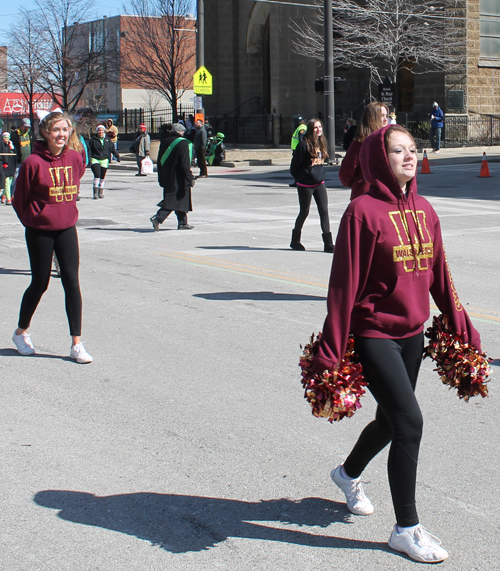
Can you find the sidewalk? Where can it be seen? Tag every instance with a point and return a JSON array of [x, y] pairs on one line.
[[241, 157]]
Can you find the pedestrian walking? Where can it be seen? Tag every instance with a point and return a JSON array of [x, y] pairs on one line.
[[375, 116], [175, 177], [100, 150], [297, 136], [437, 123], [141, 147], [45, 202], [308, 170], [200, 145], [9, 160], [389, 256]]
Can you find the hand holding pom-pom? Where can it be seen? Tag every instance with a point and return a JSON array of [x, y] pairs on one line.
[[332, 395], [459, 365]]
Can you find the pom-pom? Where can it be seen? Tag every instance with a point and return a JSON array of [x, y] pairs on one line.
[[459, 365], [332, 395]]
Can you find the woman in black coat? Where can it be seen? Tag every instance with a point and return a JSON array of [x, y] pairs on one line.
[[176, 178], [100, 151]]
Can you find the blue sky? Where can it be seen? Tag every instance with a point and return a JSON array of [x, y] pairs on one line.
[[9, 10]]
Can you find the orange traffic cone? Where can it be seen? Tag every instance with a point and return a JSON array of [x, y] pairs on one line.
[[426, 169], [485, 171]]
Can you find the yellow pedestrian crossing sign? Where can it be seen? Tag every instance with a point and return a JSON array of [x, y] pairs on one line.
[[202, 81]]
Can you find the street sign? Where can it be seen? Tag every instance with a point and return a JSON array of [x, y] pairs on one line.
[[198, 103], [202, 81]]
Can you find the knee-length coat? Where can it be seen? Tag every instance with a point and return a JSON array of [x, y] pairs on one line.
[[175, 175]]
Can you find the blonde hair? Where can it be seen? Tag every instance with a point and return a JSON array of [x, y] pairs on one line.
[[49, 120], [74, 142]]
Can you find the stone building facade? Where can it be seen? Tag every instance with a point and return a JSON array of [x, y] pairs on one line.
[[248, 50]]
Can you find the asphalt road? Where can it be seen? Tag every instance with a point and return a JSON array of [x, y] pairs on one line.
[[187, 444]]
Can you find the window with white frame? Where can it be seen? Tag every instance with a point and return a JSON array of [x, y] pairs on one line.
[[489, 32]]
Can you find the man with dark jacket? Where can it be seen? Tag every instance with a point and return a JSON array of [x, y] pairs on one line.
[[176, 178], [200, 145]]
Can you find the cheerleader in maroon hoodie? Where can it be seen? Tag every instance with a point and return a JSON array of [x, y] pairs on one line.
[[389, 255], [45, 202]]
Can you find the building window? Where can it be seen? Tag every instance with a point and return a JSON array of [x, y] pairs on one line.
[[489, 32]]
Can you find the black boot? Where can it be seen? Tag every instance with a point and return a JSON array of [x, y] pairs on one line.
[[327, 240], [295, 243]]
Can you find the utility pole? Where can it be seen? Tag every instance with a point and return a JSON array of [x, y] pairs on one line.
[[200, 37], [329, 71]]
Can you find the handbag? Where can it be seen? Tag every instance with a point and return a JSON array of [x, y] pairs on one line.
[[147, 166]]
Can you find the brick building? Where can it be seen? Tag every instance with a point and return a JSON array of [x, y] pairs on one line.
[[120, 90]]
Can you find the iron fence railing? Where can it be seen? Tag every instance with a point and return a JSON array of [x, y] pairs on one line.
[[265, 129]]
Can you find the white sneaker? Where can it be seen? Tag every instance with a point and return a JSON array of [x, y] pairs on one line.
[[357, 502], [23, 343], [418, 544], [79, 354]]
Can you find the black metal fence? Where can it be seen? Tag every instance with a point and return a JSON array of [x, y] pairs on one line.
[[265, 129]]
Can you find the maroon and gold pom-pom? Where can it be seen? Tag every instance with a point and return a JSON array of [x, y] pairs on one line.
[[332, 395], [459, 365]]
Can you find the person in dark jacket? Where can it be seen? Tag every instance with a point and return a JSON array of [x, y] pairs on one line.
[[100, 150], [308, 170], [437, 122], [8, 159], [176, 178], [200, 145]]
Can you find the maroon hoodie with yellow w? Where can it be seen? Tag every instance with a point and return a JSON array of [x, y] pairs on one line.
[[47, 188], [388, 256]]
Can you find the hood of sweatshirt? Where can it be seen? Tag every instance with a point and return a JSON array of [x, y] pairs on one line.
[[377, 171], [42, 150]]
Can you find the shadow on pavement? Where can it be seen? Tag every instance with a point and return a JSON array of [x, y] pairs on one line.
[[8, 352], [258, 296], [192, 523]]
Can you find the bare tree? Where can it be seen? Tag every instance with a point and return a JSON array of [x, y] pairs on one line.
[[158, 47], [385, 36], [24, 53], [71, 58]]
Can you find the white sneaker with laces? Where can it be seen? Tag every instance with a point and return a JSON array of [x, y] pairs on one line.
[[79, 354], [23, 343], [357, 502], [418, 544]]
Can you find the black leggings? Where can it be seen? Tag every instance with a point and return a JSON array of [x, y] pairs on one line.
[[99, 172], [321, 198], [391, 368], [41, 245]]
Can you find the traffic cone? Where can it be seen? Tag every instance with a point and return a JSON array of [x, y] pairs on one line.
[[485, 171], [426, 169]]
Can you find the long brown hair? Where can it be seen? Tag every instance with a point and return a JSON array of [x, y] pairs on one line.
[[370, 121], [313, 143]]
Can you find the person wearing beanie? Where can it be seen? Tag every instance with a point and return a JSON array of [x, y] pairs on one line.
[[8, 157], [23, 141], [45, 203], [389, 256], [437, 123], [100, 151], [175, 177], [141, 147]]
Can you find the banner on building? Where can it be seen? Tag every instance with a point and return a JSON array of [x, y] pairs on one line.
[[16, 103]]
